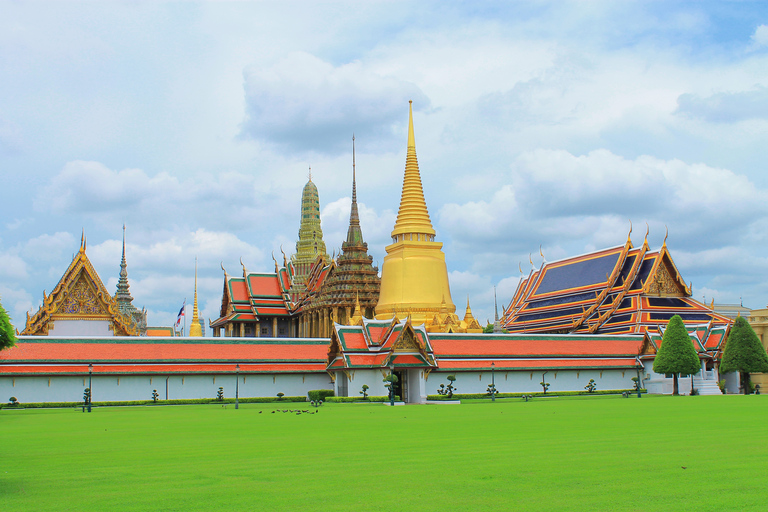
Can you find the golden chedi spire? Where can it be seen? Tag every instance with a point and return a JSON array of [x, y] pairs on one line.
[[194, 329], [414, 277], [413, 216]]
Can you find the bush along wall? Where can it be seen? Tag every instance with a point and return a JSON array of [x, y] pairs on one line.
[[358, 399], [473, 396], [319, 394], [253, 400]]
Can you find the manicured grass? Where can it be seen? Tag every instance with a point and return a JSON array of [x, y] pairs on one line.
[[576, 453]]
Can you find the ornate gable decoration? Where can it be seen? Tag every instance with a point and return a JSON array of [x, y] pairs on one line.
[[79, 295], [665, 280], [406, 342]]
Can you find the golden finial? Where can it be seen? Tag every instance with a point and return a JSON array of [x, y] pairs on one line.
[[520, 267], [245, 270], [222, 268], [285, 259], [647, 230], [530, 259], [310, 173], [82, 241], [273, 259], [712, 305], [629, 239], [411, 137], [665, 235]]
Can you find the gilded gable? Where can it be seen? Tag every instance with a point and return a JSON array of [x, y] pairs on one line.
[[79, 295]]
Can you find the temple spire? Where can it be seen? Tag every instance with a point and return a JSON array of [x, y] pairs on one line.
[[412, 217], [354, 233], [194, 329], [123, 293]]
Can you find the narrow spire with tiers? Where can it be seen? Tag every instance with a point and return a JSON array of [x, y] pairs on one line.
[[414, 277], [310, 245], [123, 294], [351, 289], [195, 331]]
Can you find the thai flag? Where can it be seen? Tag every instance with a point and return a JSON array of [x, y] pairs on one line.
[[181, 314]]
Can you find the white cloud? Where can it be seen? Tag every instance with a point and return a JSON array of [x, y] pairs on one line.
[[557, 196], [760, 37], [725, 107], [307, 104]]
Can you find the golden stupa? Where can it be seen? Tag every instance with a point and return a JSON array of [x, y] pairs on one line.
[[414, 278]]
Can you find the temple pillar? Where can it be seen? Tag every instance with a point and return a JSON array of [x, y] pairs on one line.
[[242, 329], [258, 329], [274, 327]]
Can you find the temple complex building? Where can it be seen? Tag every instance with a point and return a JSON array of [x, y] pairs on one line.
[[257, 305], [620, 290], [414, 276], [343, 290], [80, 305], [310, 244]]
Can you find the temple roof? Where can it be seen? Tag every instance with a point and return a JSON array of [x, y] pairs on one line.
[[379, 344], [254, 295], [620, 290], [80, 295], [157, 355]]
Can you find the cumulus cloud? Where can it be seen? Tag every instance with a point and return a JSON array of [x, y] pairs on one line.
[[725, 107], [307, 104], [760, 37], [556, 196], [93, 189]]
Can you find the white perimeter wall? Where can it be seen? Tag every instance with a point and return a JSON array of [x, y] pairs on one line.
[[528, 382], [114, 388]]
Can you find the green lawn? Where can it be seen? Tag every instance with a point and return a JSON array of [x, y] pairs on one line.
[[590, 453]]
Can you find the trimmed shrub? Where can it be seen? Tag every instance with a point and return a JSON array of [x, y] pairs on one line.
[[352, 399], [476, 396], [676, 354], [320, 394]]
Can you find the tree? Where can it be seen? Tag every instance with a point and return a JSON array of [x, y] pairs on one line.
[[7, 332], [743, 353], [676, 354]]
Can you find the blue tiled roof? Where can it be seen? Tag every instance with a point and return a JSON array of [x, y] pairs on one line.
[[663, 302], [642, 274], [581, 273]]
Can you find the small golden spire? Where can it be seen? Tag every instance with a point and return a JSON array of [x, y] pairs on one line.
[[310, 173], [629, 235], [194, 329], [665, 236]]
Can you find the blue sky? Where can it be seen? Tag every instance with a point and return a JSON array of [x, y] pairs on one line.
[[545, 124]]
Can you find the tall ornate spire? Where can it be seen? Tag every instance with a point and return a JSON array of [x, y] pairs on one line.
[[194, 329], [310, 244], [354, 234], [351, 290], [123, 294], [413, 217]]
